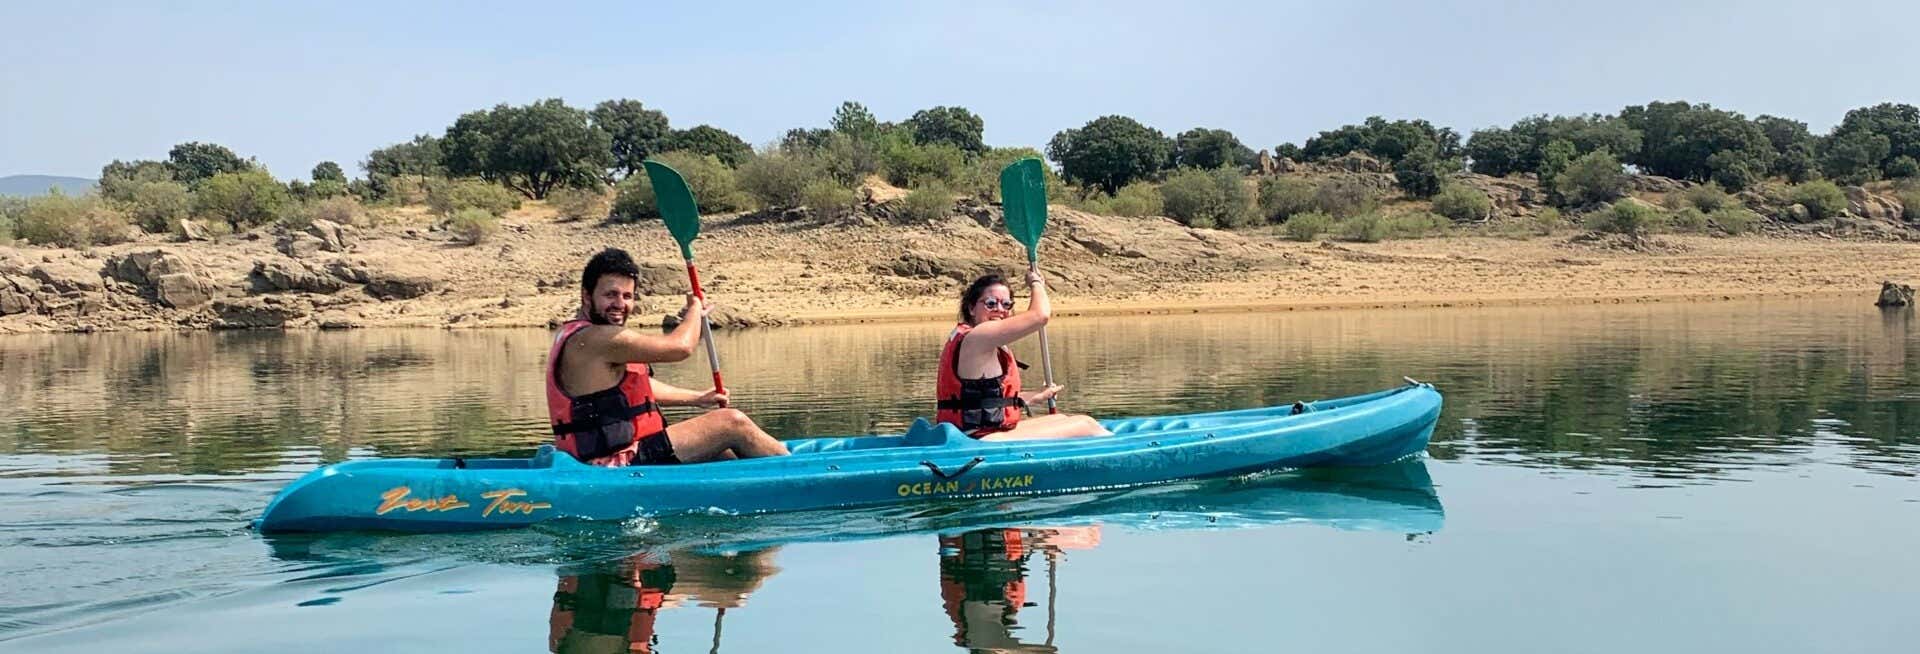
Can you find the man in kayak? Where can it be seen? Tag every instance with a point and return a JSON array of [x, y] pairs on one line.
[[602, 399], [979, 380]]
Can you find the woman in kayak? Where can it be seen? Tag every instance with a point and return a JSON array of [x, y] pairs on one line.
[[979, 380]]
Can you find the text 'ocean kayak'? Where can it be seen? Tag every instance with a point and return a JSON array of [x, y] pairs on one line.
[[929, 462]]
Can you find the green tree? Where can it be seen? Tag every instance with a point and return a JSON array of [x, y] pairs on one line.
[[1903, 167], [242, 199], [1593, 177], [1554, 158], [1699, 143], [1854, 156], [327, 171], [1209, 149], [1282, 197], [853, 120], [1289, 151], [531, 149], [1898, 123], [1793, 146], [1386, 140], [195, 161], [712, 141], [1420, 171], [417, 158], [119, 179], [1500, 152], [1110, 152], [636, 132], [954, 126]]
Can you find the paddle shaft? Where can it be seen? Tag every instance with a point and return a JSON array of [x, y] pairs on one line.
[[1046, 352], [706, 328]]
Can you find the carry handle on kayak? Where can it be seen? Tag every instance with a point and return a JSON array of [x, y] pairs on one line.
[[937, 472]]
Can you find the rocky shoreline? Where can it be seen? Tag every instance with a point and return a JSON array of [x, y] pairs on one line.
[[777, 268]]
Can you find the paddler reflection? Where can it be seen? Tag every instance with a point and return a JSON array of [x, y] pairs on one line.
[[612, 608], [983, 582]]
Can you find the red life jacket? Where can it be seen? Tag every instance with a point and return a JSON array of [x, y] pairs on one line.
[[606, 422], [977, 406]]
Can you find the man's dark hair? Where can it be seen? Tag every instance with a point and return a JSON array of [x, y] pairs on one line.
[[973, 293], [611, 261]]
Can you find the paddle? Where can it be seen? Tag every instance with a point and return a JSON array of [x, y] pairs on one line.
[[1023, 196], [682, 217]]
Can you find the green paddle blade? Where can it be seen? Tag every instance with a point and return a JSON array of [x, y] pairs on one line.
[[677, 207], [1023, 195]]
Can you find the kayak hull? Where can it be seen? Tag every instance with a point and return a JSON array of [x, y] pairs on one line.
[[927, 463]]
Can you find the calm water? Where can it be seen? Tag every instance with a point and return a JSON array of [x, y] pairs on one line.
[[1728, 477]]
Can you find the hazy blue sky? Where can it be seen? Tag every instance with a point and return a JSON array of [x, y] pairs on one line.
[[296, 83]]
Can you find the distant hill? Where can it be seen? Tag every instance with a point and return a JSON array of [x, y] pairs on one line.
[[27, 185]]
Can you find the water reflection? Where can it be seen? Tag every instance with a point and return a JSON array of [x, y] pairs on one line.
[[983, 582], [1659, 392], [612, 607]]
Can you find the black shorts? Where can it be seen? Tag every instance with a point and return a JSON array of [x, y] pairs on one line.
[[655, 450]]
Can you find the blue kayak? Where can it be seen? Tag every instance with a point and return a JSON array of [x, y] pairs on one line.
[[930, 462]]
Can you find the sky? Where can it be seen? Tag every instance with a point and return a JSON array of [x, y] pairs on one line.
[[293, 84]]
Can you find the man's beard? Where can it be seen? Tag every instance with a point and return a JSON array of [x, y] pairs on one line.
[[596, 317]]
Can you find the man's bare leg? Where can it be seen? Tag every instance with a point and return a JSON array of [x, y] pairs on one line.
[[721, 434]]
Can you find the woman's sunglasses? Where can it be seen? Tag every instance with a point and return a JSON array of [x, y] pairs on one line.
[[992, 303]]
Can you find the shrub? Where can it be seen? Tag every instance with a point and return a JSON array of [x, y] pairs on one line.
[[1546, 222], [779, 179], [340, 209], [1593, 177], [472, 225], [1823, 199], [1344, 197], [1630, 218], [1307, 225], [1910, 204], [849, 160], [1283, 197], [1688, 220], [1369, 227], [1137, 200], [1374, 226], [578, 203], [1462, 203], [447, 196], [827, 196], [1707, 198], [910, 164], [156, 206], [406, 189], [295, 215], [70, 222], [242, 199], [10, 209], [1208, 198], [1734, 220], [930, 202], [713, 184]]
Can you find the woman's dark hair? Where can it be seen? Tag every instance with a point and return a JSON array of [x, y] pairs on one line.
[[974, 291], [611, 261]]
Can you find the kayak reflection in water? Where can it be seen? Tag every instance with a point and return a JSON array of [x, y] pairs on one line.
[[613, 610], [602, 399], [983, 582], [978, 383]]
